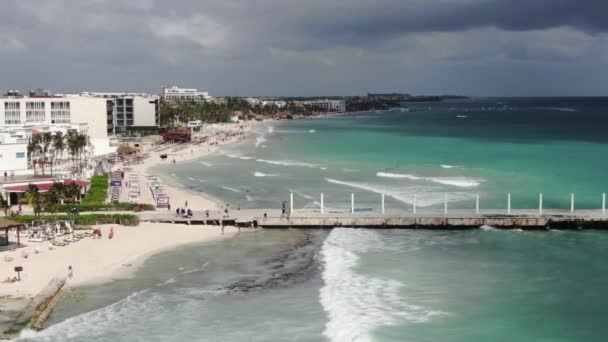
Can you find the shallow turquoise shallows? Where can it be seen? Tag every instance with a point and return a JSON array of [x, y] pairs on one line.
[[380, 285]]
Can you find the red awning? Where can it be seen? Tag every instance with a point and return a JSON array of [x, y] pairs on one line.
[[46, 186]]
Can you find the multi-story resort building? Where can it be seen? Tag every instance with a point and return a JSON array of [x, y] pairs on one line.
[[175, 93], [326, 105], [99, 115]]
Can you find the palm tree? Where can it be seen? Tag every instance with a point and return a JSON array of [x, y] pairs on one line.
[[72, 193], [72, 144], [82, 142], [34, 198], [4, 205], [58, 144], [46, 140]]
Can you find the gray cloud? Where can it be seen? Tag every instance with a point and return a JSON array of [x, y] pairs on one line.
[[284, 47]]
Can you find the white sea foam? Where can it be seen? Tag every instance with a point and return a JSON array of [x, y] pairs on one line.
[[288, 163], [463, 182], [308, 197], [231, 189], [237, 156], [349, 170], [191, 178], [261, 174], [398, 175], [206, 163], [559, 109], [95, 324], [462, 116], [260, 140], [445, 166], [357, 304], [460, 182], [312, 131], [425, 196]]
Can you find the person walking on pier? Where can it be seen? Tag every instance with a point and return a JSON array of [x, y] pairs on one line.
[[284, 208]]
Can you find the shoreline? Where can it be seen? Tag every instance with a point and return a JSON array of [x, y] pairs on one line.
[[105, 260], [90, 258]]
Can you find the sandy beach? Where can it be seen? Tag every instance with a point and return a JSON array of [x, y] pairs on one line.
[[218, 135], [98, 260]]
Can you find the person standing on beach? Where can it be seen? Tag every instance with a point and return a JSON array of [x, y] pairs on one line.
[[70, 272], [169, 206], [186, 204]]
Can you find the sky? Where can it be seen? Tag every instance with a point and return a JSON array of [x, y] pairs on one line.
[[307, 47]]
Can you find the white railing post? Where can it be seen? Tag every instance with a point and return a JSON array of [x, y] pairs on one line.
[[445, 203], [477, 203], [322, 204], [509, 203], [414, 204], [352, 203], [572, 203], [291, 202], [540, 203], [604, 203], [382, 199]]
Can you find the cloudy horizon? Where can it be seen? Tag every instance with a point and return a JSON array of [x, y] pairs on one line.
[[308, 48]]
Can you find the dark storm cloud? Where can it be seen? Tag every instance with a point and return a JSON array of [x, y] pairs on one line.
[[284, 47], [389, 19]]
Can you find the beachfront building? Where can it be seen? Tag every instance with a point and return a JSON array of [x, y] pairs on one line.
[[13, 153], [127, 110], [104, 114], [326, 105], [175, 94]]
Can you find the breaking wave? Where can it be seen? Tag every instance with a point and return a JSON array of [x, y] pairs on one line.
[[288, 163], [463, 182], [231, 189], [357, 304], [261, 174], [425, 196]]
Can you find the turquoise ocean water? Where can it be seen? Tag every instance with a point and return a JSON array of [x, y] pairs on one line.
[[380, 285]]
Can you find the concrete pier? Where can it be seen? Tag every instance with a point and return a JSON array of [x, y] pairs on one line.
[[431, 219]]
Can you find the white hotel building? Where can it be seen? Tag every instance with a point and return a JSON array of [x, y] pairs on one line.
[[99, 115]]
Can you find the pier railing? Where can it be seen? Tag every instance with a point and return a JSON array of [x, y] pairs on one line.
[[414, 209]]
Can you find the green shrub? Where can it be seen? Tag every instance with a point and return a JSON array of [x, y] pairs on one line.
[[84, 220], [115, 206]]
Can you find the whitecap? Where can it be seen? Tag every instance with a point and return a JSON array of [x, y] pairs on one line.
[[288, 163], [453, 181], [445, 166], [425, 196], [261, 174], [206, 163], [231, 189], [312, 131], [398, 175], [260, 140], [349, 170]]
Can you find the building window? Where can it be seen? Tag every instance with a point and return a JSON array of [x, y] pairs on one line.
[[20, 154], [12, 113], [34, 111], [60, 112]]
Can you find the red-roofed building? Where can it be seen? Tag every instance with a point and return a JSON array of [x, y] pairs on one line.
[[14, 192]]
